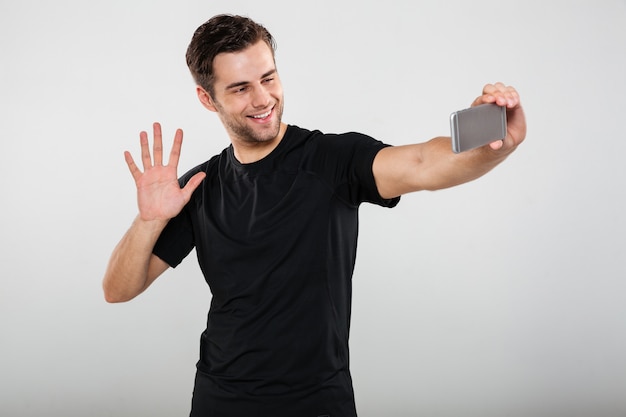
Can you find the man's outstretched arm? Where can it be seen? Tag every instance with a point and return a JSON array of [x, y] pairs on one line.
[[432, 165], [133, 267]]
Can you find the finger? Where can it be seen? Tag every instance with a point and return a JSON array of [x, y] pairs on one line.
[[145, 151], [507, 95], [497, 145], [494, 88], [192, 184], [176, 146], [512, 97], [157, 146], [501, 95], [484, 99], [132, 167], [489, 95], [492, 94]]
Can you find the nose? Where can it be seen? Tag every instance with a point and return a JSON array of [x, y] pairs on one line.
[[261, 97]]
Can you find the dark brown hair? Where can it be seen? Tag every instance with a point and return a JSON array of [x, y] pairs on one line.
[[221, 33]]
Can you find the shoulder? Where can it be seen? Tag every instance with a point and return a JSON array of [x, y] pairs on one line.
[[206, 167], [319, 139], [349, 144], [297, 135]]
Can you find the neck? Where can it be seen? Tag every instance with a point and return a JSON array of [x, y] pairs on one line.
[[250, 152]]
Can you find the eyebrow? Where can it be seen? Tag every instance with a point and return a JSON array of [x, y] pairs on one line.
[[240, 83]]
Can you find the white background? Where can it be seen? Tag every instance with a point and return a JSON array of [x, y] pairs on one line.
[[502, 297]]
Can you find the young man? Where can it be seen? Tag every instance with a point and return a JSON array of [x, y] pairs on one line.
[[273, 219]]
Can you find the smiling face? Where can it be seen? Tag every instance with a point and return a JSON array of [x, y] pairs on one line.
[[248, 96]]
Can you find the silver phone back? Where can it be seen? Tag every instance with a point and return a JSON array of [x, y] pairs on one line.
[[477, 126]]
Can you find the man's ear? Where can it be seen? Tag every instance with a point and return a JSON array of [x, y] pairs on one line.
[[205, 99]]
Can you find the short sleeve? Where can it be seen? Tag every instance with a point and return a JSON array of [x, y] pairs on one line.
[[176, 240], [346, 161]]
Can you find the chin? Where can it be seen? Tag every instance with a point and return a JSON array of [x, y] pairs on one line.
[[265, 133], [267, 136]]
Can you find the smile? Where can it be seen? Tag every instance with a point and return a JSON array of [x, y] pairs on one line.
[[263, 115]]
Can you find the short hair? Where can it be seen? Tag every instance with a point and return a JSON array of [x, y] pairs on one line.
[[222, 33]]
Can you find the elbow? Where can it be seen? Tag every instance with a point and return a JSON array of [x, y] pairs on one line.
[[114, 298], [113, 295]]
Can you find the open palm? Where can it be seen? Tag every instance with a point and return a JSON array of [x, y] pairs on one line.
[[159, 196]]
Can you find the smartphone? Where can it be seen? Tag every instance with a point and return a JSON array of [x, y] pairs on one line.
[[477, 126]]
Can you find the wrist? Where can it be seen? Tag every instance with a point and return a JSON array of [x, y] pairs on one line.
[[149, 226]]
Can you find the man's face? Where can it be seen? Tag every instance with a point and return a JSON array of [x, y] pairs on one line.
[[248, 94]]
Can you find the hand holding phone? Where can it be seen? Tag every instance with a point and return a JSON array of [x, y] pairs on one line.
[[477, 126]]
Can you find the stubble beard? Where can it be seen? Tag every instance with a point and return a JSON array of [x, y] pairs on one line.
[[254, 134]]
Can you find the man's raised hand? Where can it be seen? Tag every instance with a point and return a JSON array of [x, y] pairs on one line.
[[159, 195]]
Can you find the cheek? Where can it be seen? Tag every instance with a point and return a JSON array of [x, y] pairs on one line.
[[277, 91], [234, 105]]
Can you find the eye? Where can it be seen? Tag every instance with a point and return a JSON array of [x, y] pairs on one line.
[[268, 80]]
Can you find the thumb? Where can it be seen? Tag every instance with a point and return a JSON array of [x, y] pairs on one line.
[[496, 145], [192, 184]]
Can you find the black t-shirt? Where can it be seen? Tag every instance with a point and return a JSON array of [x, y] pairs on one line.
[[276, 241]]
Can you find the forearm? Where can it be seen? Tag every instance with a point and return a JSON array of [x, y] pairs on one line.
[[431, 166], [441, 168], [129, 271]]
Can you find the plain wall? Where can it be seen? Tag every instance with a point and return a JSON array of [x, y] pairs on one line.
[[502, 297]]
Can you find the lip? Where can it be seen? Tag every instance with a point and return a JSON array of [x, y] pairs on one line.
[[266, 119]]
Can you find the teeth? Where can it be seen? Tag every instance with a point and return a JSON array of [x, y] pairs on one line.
[[262, 116]]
